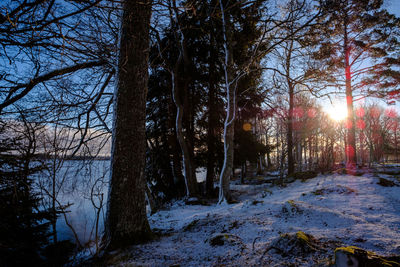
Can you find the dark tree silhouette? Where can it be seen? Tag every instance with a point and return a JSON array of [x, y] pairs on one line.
[[126, 221]]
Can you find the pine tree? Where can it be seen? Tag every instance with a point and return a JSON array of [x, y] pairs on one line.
[[197, 78], [200, 74], [357, 43], [24, 225], [163, 166]]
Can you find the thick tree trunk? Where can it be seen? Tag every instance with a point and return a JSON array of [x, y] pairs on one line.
[[350, 148], [126, 221]]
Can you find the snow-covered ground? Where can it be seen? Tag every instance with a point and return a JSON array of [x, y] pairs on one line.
[[335, 209]]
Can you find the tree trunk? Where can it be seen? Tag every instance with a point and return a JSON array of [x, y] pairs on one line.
[[212, 124], [227, 167], [299, 159], [179, 179], [310, 157], [126, 221], [188, 168], [291, 106], [180, 86], [395, 144], [350, 148], [243, 172], [290, 133]]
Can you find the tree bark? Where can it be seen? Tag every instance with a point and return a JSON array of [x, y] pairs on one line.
[[212, 124], [180, 86], [126, 221], [350, 148], [291, 106], [290, 131], [179, 179], [190, 180], [227, 168]]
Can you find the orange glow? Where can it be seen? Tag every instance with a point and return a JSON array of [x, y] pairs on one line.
[[247, 126]]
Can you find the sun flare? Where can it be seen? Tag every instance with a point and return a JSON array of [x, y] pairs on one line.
[[337, 112]]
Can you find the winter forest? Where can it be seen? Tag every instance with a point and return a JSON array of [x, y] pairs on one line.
[[200, 133]]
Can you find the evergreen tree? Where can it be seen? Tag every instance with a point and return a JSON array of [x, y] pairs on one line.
[[200, 78], [163, 166], [198, 89], [24, 225], [357, 42]]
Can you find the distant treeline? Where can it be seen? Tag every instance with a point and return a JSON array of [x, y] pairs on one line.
[[47, 157]]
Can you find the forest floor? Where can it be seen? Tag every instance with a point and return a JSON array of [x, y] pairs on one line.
[[337, 210]]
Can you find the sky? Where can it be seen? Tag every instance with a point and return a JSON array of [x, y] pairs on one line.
[[393, 6]]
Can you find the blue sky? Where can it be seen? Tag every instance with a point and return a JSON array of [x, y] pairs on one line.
[[393, 6]]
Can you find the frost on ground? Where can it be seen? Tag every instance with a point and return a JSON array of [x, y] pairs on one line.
[[335, 210]]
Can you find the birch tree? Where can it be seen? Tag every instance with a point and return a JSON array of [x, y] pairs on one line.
[[230, 88], [241, 46]]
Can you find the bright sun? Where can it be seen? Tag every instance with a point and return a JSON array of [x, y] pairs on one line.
[[337, 112]]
